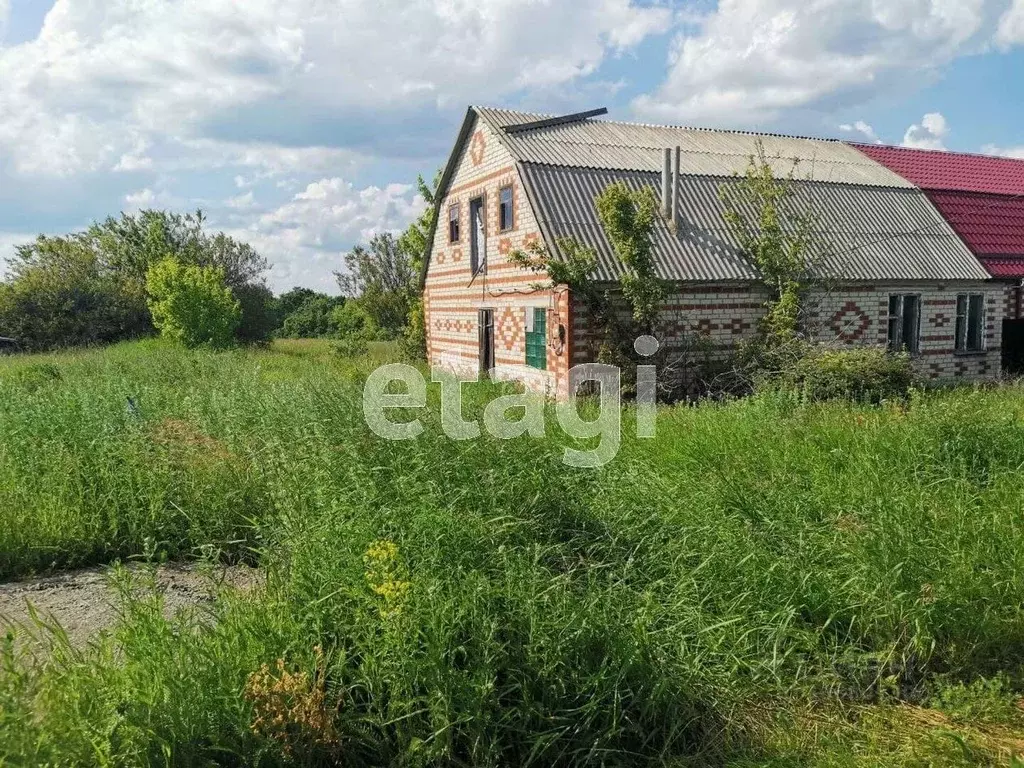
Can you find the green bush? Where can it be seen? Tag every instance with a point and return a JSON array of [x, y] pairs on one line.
[[191, 304], [867, 374]]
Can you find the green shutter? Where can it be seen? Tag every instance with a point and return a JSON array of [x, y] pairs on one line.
[[536, 340]]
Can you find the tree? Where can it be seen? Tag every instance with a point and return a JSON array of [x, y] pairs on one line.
[[65, 296], [775, 231], [192, 304], [384, 282], [121, 251], [414, 241], [312, 318]]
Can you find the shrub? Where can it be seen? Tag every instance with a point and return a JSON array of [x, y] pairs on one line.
[[351, 346], [864, 375], [191, 304], [259, 317]]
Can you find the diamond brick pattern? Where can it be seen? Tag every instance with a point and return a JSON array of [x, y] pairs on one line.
[[850, 323], [510, 331]]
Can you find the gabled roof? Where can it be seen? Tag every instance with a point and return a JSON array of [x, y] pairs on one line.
[[865, 233], [981, 196], [953, 171], [637, 147], [879, 226], [992, 225]]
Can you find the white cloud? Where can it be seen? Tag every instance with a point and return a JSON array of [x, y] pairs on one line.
[[1014, 152], [143, 198], [929, 134], [863, 129], [107, 76], [305, 237], [750, 60], [1011, 26]]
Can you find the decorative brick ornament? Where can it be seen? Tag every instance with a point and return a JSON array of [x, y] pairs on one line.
[[737, 325], [850, 323], [510, 329], [504, 246], [477, 147]]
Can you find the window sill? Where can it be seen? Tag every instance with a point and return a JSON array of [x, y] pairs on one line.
[[970, 352]]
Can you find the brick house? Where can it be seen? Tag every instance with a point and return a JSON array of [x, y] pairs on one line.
[[982, 197], [898, 273]]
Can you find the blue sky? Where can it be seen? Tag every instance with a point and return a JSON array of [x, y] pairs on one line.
[[300, 125]]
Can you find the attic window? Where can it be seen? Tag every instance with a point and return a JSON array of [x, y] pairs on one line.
[[453, 223], [970, 321], [506, 212]]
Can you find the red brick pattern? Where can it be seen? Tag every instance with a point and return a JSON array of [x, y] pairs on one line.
[[477, 148], [850, 323]]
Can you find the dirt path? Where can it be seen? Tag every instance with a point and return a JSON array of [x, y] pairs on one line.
[[82, 602]]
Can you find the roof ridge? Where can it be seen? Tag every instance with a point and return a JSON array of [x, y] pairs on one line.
[[939, 152], [672, 126]]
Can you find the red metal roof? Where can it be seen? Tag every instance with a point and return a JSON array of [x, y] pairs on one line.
[[997, 267], [991, 225], [930, 169]]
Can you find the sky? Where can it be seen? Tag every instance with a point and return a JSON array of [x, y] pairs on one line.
[[300, 126]]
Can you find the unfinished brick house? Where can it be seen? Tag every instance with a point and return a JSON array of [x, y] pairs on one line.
[[898, 273]]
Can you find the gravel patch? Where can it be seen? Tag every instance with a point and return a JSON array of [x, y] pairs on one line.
[[83, 602]]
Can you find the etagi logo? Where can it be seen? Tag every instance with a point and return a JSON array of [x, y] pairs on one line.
[[377, 401]]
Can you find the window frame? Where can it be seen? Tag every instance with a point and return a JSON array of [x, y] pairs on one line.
[[457, 221], [898, 320], [510, 188], [966, 342], [537, 337], [478, 250]]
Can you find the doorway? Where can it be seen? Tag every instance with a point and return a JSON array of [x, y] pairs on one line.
[[1013, 347], [486, 341]]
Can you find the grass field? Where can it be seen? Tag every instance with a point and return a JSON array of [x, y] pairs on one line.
[[764, 583]]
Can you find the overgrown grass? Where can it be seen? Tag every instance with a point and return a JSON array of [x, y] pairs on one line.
[[761, 582]]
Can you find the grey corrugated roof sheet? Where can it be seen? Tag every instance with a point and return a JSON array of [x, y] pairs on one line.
[[864, 232], [636, 147]]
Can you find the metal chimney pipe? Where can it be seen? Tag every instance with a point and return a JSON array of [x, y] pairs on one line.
[[666, 185], [676, 202]]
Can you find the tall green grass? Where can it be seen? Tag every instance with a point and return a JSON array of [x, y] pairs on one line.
[[660, 609]]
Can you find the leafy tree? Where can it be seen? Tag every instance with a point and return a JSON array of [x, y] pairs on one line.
[[259, 317], [414, 241], [312, 318], [350, 320], [627, 217], [775, 231], [121, 251], [192, 304], [65, 296], [289, 301], [384, 282]]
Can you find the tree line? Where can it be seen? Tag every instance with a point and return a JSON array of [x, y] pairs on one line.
[[153, 272]]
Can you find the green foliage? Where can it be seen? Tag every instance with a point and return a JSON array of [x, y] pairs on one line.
[[384, 282], [982, 700], [65, 296], [414, 339], [191, 304], [627, 217], [259, 318], [312, 316], [414, 241], [90, 287], [775, 230], [741, 589], [867, 374], [351, 320]]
